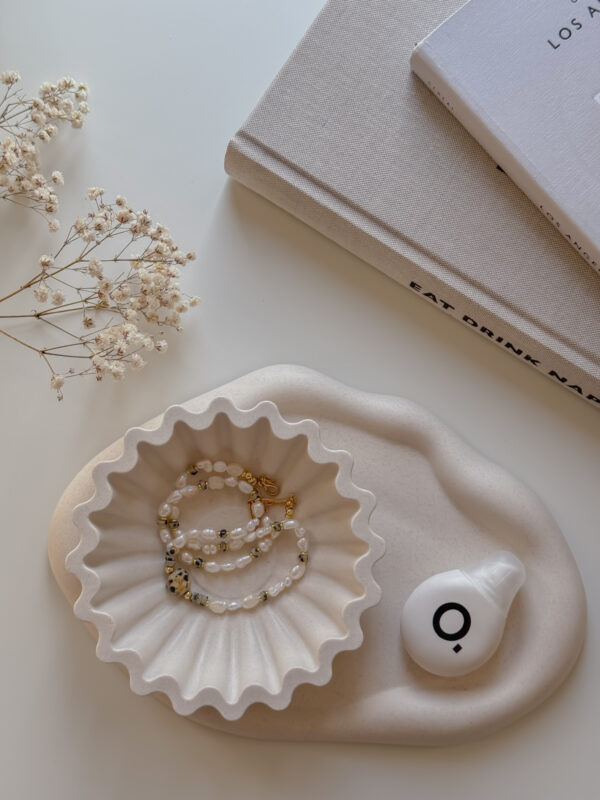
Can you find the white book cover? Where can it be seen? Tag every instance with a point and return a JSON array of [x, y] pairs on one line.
[[523, 77]]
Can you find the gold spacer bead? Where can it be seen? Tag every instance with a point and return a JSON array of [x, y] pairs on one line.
[[169, 570], [188, 595]]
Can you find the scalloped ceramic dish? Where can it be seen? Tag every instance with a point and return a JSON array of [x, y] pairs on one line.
[[193, 656]]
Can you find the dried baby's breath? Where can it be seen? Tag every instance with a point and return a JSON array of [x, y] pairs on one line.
[[27, 123], [117, 302], [111, 289]]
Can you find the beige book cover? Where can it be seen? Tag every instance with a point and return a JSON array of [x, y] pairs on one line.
[[350, 141]]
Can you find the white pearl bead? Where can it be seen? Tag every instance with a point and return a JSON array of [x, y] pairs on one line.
[[245, 487], [215, 482], [228, 566], [211, 566], [237, 533], [265, 546], [289, 524], [179, 541], [181, 481], [275, 589], [174, 513], [236, 544], [235, 470], [233, 605], [258, 510], [212, 549], [231, 481], [194, 545], [302, 545], [164, 510], [252, 525], [209, 534], [243, 561], [250, 601], [297, 572], [165, 536], [217, 606], [189, 491], [186, 557], [266, 521], [300, 532], [174, 497], [287, 581], [207, 549], [251, 537], [219, 466], [205, 465], [262, 532]]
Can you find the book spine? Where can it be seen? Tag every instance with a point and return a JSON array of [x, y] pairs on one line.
[[485, 131], [252, 165]]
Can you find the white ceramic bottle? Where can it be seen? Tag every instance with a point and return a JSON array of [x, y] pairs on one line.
[[453, 622]]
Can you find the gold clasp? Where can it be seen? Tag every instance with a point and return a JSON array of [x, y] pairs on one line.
[[268, 485]]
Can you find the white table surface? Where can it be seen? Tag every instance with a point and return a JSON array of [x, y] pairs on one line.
[[169, 84]]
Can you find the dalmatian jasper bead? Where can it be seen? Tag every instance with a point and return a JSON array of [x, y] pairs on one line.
[[178, 582], [200, 599]]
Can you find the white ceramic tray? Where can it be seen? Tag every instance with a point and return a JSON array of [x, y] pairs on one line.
[[440, 505]]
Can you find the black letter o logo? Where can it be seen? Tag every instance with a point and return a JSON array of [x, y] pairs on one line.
[[451, 637]]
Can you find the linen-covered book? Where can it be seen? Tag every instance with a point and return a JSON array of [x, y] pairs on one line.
[[524, 80], [350, 141]]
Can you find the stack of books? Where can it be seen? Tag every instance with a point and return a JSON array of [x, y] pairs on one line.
[[351, 141]]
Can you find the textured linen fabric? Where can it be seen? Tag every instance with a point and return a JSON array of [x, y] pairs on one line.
[[350, 141]]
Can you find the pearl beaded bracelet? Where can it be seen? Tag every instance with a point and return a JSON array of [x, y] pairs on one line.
[[260, 531]]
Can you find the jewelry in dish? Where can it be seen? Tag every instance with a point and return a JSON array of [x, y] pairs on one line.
[[260, 532]]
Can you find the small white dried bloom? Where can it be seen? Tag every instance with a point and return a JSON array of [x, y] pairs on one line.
[[41, 292], [94, 268], [117, 370], [46, 261], [57, 298], [161, 346], [124, 215], [57, 177], [95, 192], [194, 300], [191, 255], [66, 83], [57, 381], [53, 225], [10, 77], [137, 362]]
